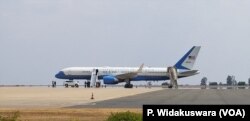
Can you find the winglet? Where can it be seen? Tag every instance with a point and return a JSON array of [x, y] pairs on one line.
[[140, 68]]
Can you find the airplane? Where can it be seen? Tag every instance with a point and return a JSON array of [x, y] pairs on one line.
[[115, 75]]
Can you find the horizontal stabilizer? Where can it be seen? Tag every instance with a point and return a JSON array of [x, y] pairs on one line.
[[188, 73]]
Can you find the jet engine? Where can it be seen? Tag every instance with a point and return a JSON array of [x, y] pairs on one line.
[[110, 80]]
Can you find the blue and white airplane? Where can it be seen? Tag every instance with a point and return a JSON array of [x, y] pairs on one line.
[[115, 75]]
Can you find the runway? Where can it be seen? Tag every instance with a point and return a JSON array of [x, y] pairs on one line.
[[176, 96]]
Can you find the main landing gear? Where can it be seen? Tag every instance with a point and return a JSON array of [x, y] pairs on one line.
[[128, 84]]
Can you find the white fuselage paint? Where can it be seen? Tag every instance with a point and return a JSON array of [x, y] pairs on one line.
[[102, 71]]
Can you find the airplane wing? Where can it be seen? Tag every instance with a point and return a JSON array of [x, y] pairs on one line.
[[130, 74]]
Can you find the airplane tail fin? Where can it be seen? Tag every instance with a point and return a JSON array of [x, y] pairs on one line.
[[188, 60]]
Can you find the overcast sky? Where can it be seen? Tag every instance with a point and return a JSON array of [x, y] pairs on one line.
[[40, 37]]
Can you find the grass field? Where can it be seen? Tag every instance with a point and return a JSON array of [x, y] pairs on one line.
[[62, 114]]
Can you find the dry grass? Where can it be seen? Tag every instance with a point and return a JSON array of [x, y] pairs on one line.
[[62, 114]]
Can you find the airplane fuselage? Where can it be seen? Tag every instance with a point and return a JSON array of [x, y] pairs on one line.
[[147, 73]]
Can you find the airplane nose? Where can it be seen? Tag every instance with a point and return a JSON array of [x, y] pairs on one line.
[[60, 75]]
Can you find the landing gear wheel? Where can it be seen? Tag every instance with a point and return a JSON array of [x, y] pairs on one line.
[[76, 85], [128, 86], [66, 85], [170, 86]]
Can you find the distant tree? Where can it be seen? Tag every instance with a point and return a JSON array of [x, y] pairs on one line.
[[204, 81], [241, 83], [220, 83], [229, 80], [213, 83]]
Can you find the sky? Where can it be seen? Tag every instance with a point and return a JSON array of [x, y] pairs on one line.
[[40, 37]]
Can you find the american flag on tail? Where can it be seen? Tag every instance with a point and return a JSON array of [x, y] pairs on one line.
[[191, 57]]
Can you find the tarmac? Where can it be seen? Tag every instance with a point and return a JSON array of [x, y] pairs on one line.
[[176, 96], [115, 97]]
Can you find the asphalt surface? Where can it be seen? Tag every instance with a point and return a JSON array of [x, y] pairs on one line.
[[175, 96]]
